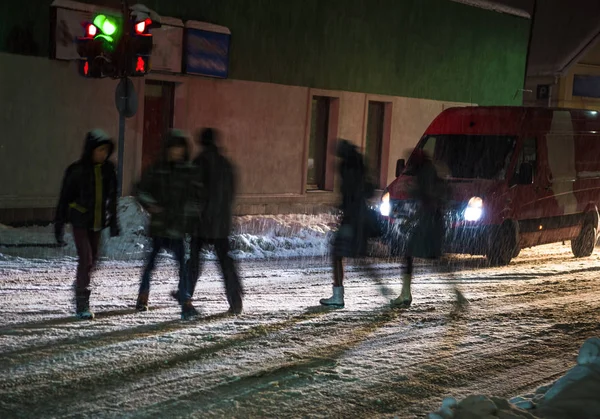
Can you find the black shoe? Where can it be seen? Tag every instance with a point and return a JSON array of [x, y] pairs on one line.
[[85, 315], [175, 295], [142, 302], [236, 309], [188, 311]]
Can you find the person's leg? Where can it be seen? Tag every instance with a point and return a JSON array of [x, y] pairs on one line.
[[177, 246], [178, 249], [144, 291], [233, 285], [195, 264], [337, 299], [405, 298], [338, 271], [84, 266], [460, 301]]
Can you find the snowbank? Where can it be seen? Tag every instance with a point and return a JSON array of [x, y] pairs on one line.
[[575, 395], [277, 236]]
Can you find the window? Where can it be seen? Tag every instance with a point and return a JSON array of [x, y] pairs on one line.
[[469, 156], [586, 86], [317, 147], [528, 154], [374, 140]]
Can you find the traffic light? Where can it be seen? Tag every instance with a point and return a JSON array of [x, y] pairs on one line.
[[108, 48], [97, 46], [140, 43]]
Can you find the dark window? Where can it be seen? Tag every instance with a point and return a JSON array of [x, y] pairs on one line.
[[374, 141], [317, 147], [528, 154], [470, 156], [586, 86]]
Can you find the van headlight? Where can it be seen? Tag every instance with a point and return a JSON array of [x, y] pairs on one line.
[[474, 209], [385, 207]]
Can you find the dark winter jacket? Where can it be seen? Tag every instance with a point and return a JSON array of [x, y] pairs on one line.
[[430, 193], [165, 186], [88, 196], [358, 223], [216, 175]]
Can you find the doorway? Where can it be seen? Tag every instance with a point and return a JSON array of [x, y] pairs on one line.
[[158, 119]]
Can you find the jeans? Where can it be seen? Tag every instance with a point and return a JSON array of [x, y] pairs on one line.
[[176, 246]]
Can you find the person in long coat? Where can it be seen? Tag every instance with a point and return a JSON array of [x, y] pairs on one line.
[[215, 174], [426, 239], [358, 223]]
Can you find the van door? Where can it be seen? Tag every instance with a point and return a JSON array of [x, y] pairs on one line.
[[560, 207], [526, 197]]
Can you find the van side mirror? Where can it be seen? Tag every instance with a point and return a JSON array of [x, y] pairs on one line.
[[525, 174], [400, 165]]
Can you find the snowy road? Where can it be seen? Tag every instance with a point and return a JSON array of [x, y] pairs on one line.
[[286, 357]]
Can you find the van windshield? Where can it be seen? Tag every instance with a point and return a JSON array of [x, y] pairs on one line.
[[470, 156]]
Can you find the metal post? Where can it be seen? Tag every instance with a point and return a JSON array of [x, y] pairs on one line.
[[121, 150], [125, 10]]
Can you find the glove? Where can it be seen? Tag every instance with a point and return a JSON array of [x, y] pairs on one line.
[[114, 231], [59, 234]]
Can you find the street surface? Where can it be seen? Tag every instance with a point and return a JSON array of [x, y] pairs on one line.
[[286, 356]]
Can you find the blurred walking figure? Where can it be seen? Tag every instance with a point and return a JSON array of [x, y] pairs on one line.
[[163, 191], [215, 174], [357, 224], [430, 192], [88, 200]]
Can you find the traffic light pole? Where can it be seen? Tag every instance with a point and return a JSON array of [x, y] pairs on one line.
[[121, 147], [125, 8]]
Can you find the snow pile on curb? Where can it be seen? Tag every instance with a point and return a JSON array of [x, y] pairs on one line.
[[575, 395], [276, 236]]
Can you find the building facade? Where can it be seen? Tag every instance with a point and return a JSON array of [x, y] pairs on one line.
[[299, 75]]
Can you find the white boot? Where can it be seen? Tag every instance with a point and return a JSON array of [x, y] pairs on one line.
[[337, 300], [405, 298]]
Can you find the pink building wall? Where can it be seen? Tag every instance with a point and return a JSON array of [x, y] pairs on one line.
[[46, 108]]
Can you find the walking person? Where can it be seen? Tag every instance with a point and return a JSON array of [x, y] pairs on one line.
[[430, 192], [88, 201], [216, 175], [162, 191], [357, 225]]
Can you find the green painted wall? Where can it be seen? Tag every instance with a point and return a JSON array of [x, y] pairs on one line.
[[435, 49]]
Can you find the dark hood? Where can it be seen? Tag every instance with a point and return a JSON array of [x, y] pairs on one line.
[[349, 154], [95, 139], [176, 138]]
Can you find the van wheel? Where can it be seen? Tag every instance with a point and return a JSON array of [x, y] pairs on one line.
[[502, 246], [583, 245]]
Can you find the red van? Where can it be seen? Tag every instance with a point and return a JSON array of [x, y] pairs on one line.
[[519, 176]]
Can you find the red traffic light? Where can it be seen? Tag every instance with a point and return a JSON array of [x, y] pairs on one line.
[[140, 27], [140, 66], [86, 68], [91, 30]]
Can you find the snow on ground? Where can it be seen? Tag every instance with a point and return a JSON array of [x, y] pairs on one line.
[[286, 356], [254, 237]]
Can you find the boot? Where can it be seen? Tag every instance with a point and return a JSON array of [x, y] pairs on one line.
[[405, 298], [142, 301], [82, 302], [461, 302], [336, 300], [236, 306], [188, 311]]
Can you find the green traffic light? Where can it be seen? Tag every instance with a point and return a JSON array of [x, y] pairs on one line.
[[107, 25]]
